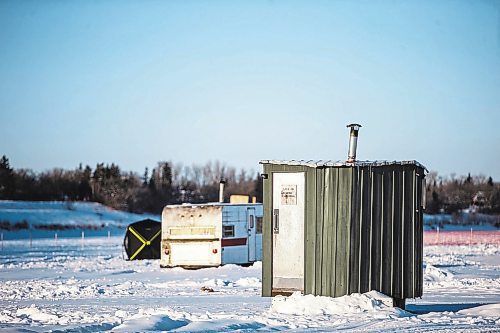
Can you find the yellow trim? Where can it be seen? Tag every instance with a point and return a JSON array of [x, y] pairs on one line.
[[136, 234], [144, 242], [157, 234], [138, 251]]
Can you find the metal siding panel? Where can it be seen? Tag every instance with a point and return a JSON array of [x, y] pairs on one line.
[[349, 173], [415, 214], [376, 228], [365, 227], [334, 199], [408, 234], [338, 238], [327, 228], [420, 234], [267, 247], [387, 232], [310, 233], [343, 222], [320, 190], [355, 234], [331, 206], [397, 233]]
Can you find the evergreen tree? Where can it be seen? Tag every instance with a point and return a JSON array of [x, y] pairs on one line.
[[495, 200], [490, 181], [166, 176], [145, 177], [468, 180], [434, 204], [152, 182], [6, 179], [84, 188]]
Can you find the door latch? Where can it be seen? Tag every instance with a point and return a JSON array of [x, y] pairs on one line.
[[276, 221]]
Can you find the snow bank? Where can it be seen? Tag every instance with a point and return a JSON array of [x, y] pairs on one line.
[[167, 319], [222, 325], [249, 282], [157, 322], [218, 283], [489, 310], [372, 302], [434, 274], [36, 314], [53, 316]]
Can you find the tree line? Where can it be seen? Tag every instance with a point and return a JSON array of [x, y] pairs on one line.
[[167, 183], [454, 193]]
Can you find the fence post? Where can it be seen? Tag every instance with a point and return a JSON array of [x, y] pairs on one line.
[[1, 241], [109, 234], [31, 240], [437, 235], [55, 237]]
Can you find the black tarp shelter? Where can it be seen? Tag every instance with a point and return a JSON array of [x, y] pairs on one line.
[[142, 240]]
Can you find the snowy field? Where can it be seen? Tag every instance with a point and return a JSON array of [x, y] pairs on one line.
[[73, 286], [40, 219]]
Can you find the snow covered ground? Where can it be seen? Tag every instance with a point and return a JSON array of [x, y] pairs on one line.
[[73, 286], [42, 219]]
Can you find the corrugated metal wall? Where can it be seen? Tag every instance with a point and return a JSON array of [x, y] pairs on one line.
[[363, 229]]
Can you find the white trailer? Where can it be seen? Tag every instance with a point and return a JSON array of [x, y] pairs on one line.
[[213, 234]]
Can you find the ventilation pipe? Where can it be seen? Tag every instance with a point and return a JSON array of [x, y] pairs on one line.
[[353, 142], [221, 190]]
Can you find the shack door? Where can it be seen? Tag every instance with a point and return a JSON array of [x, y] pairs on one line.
[[288, 231], [251, 234]]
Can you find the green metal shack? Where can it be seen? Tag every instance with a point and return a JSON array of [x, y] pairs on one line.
[[333, 228]]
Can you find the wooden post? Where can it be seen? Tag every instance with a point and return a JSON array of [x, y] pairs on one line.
[[437, 236], [1, 241], [31, 240], [55, 237], [109, 234]]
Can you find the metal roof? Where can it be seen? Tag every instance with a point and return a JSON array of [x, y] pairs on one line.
[[339, 163]]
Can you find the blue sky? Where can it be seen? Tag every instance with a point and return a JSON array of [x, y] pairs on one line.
[[136, 82]]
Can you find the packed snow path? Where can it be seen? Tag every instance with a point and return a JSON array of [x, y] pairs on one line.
[[74, 286]]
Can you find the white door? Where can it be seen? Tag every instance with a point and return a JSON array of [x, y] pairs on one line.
[[288, 231], [251, 234]]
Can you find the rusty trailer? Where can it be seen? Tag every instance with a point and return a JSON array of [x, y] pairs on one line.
[[210, 235]]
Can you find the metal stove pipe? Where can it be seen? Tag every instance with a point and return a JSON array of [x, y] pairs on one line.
[[221, 190], [353, 142]]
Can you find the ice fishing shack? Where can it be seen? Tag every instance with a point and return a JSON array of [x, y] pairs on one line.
[[333, 228], [211, 234]]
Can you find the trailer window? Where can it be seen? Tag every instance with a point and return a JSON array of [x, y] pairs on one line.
[[259, 225], [228, 231]]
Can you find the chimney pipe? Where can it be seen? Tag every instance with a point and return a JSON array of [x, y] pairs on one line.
[[221, 190], [353, 142]]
